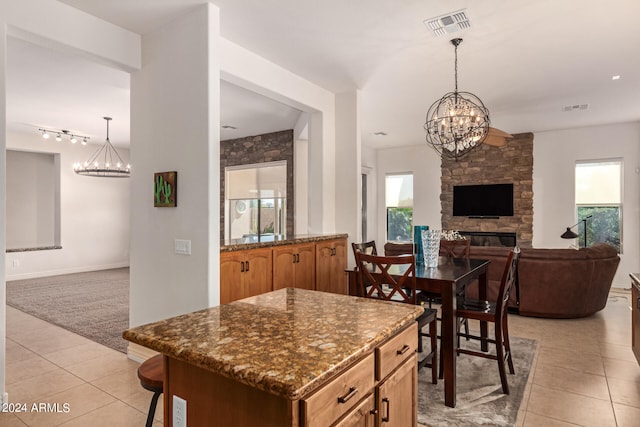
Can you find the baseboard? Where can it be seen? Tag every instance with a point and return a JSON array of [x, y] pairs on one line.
[[139, 353], [59, 272]]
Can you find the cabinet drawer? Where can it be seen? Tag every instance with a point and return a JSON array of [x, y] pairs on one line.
[[392, 353], [332, 401]]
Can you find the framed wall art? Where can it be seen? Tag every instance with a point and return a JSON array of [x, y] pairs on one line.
[[165, 189]]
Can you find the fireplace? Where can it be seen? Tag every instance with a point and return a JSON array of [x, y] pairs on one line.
[[490, 238]]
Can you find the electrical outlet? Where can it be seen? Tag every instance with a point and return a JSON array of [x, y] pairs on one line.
[[179, 412]]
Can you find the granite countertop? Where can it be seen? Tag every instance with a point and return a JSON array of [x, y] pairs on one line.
[[287, 342], [277, 240]]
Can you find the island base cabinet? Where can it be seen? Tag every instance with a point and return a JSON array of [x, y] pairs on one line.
[[214, 400]]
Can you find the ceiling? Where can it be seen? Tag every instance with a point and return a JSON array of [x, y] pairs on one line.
[[526, 61]]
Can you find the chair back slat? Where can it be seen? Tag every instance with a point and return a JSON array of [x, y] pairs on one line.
[[508, 279], [455, 248], [376, 280]]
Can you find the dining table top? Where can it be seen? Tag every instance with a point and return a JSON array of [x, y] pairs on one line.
[[448, 269]]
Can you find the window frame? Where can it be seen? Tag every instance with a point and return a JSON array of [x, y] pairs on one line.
[[387, 206], [619, 205]]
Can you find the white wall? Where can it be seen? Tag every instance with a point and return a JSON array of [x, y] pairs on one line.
[[554, 156], [94, 217], [369, 167], [348, 167], [424, 163], [56, 24], [175, 100]]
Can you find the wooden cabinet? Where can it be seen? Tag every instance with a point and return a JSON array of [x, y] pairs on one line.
[[294, 266], [335, 399], [245, 273], [635, 315], [393, 386], [331, 262]]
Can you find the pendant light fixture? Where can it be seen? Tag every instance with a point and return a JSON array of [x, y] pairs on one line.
[[105, 162], [458, 122]]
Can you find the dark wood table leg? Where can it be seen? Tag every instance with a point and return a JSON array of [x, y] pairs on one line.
[[482, 293], [448, 339], [353, 282]]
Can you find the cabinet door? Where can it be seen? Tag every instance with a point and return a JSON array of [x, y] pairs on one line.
[[362, 416], [305, 266], [283, 267], [257, 276], [231, 275], [397, 396], [331, 261]]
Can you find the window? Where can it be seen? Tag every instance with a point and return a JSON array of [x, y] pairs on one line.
[[255, 201], [599, 201], [399, 204]]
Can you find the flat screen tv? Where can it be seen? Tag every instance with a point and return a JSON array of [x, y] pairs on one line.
[[488, 200]]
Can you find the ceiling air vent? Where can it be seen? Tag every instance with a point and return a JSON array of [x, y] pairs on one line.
[[449, 23], [576, 107]]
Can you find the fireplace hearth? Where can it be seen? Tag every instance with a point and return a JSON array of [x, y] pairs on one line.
[[489, 238]]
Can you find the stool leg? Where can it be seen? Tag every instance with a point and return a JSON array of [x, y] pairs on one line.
[[152, 408]]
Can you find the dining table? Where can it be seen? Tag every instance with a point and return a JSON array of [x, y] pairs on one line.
[[448, 280]]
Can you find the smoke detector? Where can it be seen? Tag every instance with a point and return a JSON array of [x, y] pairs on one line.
[[447, 24], [575, 107]]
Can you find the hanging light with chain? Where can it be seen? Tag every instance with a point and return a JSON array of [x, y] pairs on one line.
[[458, 122]]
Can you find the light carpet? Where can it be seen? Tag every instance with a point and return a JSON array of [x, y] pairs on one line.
[[93, 304], [479, 399]]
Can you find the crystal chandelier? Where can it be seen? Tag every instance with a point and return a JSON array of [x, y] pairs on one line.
[[458, 122], [105, 162]]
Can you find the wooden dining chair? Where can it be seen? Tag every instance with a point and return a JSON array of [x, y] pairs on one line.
[[458, 248], [366, 247], [496, 312], [376, 282]]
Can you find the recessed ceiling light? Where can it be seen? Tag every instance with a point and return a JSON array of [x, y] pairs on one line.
[[616, 77], [380, 133]]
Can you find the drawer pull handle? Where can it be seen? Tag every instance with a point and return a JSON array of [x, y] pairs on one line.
[[247, 269], [352, 392], [403, 350], [385, 419], [242, 267]]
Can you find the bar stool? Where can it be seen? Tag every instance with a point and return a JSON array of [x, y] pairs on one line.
[[151, 374]]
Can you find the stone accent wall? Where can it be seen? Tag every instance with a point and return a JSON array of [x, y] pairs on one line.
[[269, 147], [511, 163]]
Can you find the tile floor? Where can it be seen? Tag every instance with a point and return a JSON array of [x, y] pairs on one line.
[[584, 373]]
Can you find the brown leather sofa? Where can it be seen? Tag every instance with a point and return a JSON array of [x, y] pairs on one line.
[[555, 283]]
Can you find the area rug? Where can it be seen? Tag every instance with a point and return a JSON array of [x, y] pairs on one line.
[[479, 399], [93, 304]]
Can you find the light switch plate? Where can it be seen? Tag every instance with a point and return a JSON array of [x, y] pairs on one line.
[[182, 247]]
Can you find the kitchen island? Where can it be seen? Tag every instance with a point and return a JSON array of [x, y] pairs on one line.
[[290, 357]]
